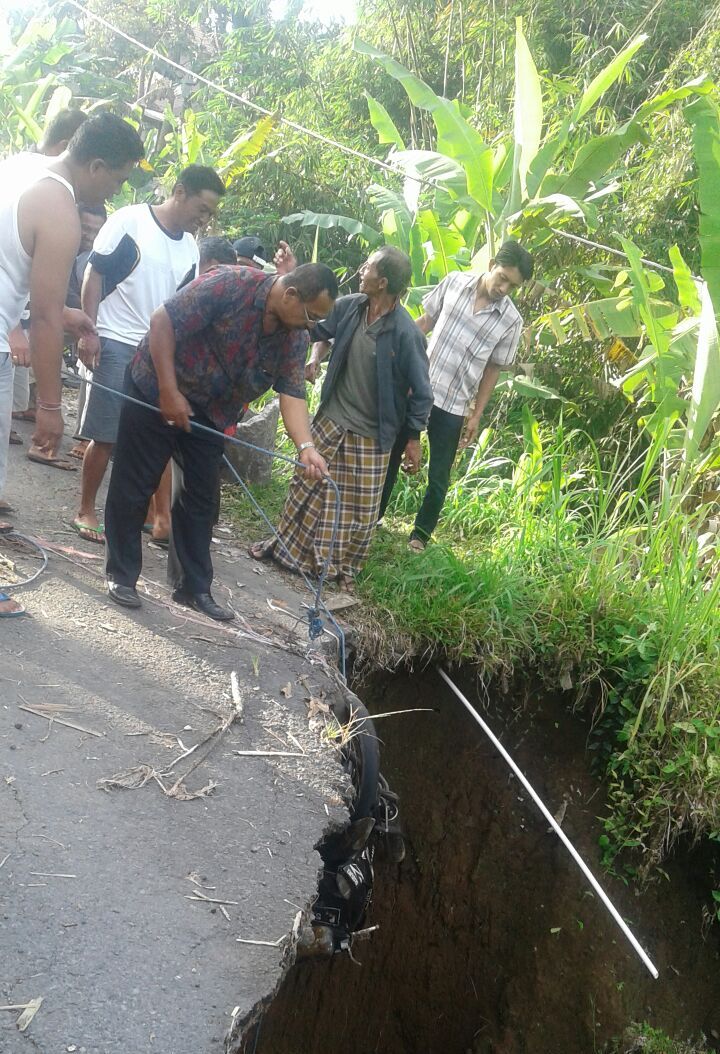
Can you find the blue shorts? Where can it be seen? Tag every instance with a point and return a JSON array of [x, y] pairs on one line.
[[101, 413]]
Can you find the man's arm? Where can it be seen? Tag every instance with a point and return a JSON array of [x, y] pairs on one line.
[[485, 390], [318, 353], [297, 423], [90, 297], [425, 323], [52, 223], [174, 407]]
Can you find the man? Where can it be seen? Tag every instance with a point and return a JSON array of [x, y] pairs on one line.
[[54, 142], [475, 333], [378, 358], [39, 239], [217, 344], [215, 252], [250, 252], [140, 257], [92, 218], [60, 131]]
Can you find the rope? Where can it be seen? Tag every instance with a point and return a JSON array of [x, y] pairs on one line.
[[315, 625], [244, 101], [33, 545]]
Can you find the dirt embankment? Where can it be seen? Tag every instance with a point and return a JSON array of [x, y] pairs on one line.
[[489, 940]]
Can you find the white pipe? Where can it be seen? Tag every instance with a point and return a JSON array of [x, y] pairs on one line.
[[555, 826]]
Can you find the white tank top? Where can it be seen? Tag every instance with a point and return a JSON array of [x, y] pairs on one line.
[[17, 175]]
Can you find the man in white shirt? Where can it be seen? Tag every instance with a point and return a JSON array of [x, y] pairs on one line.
[[475, 333], [39, 239], [140, 257]]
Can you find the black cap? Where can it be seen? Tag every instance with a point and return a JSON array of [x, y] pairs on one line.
[[250, 247]]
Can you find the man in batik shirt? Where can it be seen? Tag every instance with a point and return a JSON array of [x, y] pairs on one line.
[[219, 343]]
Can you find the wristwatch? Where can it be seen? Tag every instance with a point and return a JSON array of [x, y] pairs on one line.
[[305, 446]]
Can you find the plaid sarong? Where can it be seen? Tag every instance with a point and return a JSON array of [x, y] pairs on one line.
[[358, 467]]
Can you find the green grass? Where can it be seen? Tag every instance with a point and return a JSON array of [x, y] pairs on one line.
[[643, 1039], [581, 569], [578, 570]]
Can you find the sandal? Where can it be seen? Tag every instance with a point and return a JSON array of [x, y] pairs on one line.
[[91, 534], [15, 438], [417, 545], [16, 612], [52, 462], [260, 551]]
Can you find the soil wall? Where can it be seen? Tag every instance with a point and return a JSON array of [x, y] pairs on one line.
[[489, 940]]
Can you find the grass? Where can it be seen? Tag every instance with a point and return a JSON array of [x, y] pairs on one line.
[[643, 1039], [584, 570]]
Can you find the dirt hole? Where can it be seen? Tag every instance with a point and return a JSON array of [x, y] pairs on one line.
[[489, 940]]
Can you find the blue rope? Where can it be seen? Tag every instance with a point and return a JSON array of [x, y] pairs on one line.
[[315, 623]]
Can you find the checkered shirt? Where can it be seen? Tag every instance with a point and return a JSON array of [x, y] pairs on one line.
[[463, 341]]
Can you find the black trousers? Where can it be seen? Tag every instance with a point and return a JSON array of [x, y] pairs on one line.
[[143, 448], [444, 432]]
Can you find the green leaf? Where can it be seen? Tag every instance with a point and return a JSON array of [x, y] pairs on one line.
[[703, 116], [243, 150], [592, 161], [456, 136], [528, 108], [383, 123], [607, 77], [327, 220], [686, 285], [699, 86], [706, 379]]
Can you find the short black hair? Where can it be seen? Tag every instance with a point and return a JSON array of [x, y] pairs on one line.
[[107, 138], [63, 127], [94, 210], [196, 178], [512, 254], [217, 248], [394, 265], [312, 279]]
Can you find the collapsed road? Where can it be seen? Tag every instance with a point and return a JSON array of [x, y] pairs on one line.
[[156, 826]]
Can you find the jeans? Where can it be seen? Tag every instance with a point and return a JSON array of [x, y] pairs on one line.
[[143, 448], [444, 432], [6, 405]]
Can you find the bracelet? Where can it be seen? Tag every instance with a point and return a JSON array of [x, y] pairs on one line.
[[48, 406], [305, 446]]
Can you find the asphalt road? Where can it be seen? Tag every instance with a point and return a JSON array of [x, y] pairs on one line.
[[94, 884]]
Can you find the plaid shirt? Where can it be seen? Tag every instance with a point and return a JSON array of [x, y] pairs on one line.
[[223, 360], [463, 341]]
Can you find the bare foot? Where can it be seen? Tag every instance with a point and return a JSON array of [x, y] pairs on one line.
[[417, 545]]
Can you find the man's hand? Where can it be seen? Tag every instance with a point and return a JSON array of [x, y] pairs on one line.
[[175, 409], [19, 348], [472, 426], [88, 349], [284, 259], [49, 427], [314, 464], [311, 370], [412, 456], [77, 324]]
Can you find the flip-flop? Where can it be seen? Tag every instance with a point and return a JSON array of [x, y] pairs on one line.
[[417, 545], [159, 543], [95, 534], [10, 614], [260, 551], [15, 438], [77, 452], [52, 462], [147, 528]]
